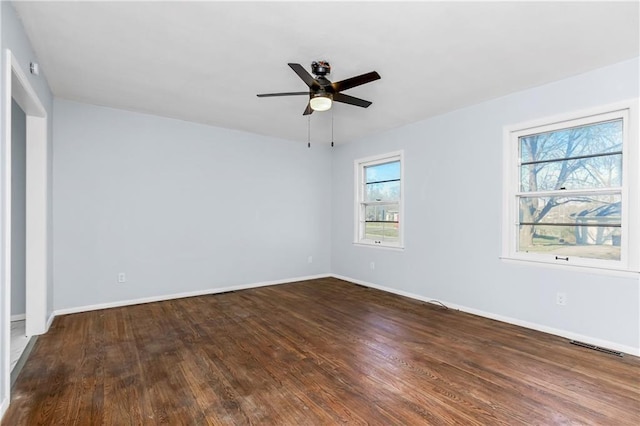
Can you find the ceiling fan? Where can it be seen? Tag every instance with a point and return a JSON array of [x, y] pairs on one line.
[[322, 92]]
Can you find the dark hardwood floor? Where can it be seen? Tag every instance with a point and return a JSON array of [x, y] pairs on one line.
[[316, 352]]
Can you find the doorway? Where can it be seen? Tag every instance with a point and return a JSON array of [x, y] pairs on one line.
[[19, 339]]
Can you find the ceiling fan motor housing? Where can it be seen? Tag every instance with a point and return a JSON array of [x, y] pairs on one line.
[[320, 67]]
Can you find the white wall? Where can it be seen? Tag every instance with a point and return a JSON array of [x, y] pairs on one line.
[[453, 190], [18, 209], [180, 207]]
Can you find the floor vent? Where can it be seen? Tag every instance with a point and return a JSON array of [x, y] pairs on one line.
[[597, 348]]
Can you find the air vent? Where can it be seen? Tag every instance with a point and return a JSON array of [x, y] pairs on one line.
[[596, 348]]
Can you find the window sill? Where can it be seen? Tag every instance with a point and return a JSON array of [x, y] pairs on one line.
[[379, 246], [613, 272]]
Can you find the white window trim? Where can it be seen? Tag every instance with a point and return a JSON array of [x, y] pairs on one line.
[[358, 167], [630, 249]]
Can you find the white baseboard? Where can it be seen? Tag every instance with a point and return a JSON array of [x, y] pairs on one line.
[[161, 298], [526, 324], [18, 317], [52, 316]]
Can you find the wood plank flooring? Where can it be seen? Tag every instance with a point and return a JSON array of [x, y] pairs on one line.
[[318, 352]]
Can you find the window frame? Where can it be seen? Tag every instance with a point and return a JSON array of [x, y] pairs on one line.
[[630, 199], [360, 203]]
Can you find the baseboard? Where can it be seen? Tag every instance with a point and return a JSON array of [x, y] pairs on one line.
[[52, 316], [18, 317], [526, 324], [161, 298]]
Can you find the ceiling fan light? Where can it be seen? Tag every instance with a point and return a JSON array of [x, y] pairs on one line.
[[321, 102]]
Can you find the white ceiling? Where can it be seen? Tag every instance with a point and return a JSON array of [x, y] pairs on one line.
[[206, 61]]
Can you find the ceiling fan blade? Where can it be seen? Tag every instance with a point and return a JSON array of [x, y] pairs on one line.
[[265, 95], [351, 100], [355, 81], [308, 111], [305, 76]]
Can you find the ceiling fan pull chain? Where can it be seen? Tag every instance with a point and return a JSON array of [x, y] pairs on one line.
[[309, 131], [332, 128]]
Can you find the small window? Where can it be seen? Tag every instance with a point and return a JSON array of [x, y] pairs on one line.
[[569, 194], [379, 200]]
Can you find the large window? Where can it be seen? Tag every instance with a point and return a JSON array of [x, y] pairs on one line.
[[571, 191], [379, 200]]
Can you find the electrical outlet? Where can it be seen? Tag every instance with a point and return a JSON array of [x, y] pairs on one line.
[[372, 265], [561, 299], [310, 259], [122, 277]]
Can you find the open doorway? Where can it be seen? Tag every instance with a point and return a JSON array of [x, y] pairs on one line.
[[36, 203], [19, 338]]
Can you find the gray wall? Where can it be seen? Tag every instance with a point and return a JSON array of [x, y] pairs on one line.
[[18, 208], [180, 207], [453, 202]]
